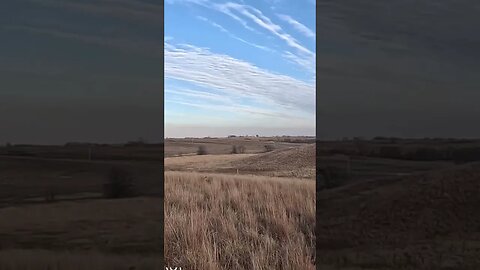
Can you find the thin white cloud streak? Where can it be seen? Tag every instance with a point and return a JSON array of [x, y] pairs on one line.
[[297, 25], [221, 28], [227, 11], [210, 5], [306, 63], [236, 77], [254, 45], [216, 25], [235, 109], [199, 94]]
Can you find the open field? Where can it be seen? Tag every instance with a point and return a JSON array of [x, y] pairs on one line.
[[290, 161], [398, 213], [254, 210], [216, 146], [54, 214]]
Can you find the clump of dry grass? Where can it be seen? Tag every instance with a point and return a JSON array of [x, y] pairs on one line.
[[217, 221]]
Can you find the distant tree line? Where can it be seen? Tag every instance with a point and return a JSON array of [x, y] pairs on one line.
[[458, 154]]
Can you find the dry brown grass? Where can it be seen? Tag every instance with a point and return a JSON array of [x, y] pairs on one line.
[[219, 146], [298, 162], [126, 232], [210, 163], [215, 221]]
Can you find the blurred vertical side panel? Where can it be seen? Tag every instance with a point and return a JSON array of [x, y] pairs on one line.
[[398, 149], [81, 134]]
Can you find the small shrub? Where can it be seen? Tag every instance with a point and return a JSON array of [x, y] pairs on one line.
[[119, 184], [390, 152], [463, 155], [49, 196], [241, 149], [331, 177], [427, 154], [201, 150], [238, 149]]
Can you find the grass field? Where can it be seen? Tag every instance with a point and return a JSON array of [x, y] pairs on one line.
[[216, 221], [241, 211], [218, 146]]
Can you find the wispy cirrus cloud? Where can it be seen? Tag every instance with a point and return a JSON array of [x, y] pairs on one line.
[[221, 28], [302, 56], [188, 94], [297, 25], [262, 21], [249, 16], [239, 79], [307, 63], [237, 108]]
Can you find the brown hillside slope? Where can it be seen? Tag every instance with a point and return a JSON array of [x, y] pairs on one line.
[[424, 221], [292, 162]]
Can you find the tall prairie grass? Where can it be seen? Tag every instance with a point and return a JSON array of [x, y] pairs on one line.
[[215, 221]]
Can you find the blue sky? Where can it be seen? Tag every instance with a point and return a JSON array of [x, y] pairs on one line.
[[239, 67]]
